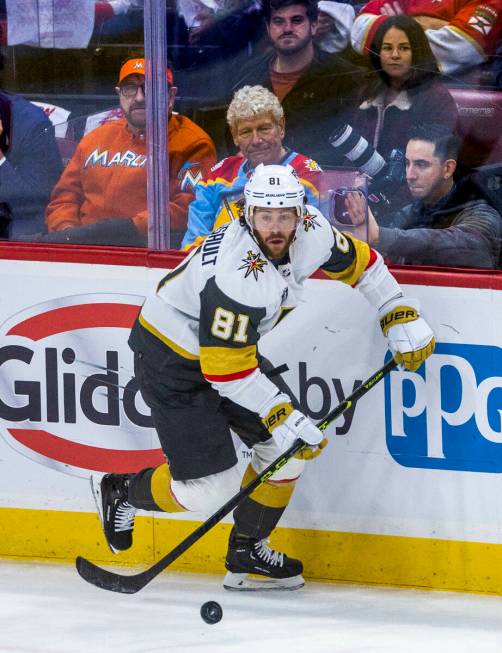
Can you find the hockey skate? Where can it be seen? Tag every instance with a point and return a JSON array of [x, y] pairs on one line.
[[253, 566], [115, 512]]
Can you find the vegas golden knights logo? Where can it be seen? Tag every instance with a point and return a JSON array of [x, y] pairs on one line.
[[253, 264]]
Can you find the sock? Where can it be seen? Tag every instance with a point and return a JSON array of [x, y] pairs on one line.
[[257, 515], [150, 489]]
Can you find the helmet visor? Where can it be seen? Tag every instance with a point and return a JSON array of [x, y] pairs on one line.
[[265, 219]]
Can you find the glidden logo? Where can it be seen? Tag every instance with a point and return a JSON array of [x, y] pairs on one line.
[[68, 398]]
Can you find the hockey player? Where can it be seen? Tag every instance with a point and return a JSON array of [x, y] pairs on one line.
[[199, 370], [256, 120]]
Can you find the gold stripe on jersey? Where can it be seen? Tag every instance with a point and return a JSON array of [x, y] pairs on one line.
[[272, 495], [160, 487], [223, 361], [351, 274], [285, 310], [172, 345]]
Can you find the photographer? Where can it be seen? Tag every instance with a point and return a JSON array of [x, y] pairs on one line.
[[447, 224]]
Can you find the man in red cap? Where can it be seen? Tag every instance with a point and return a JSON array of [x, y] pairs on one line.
[[101, 196]]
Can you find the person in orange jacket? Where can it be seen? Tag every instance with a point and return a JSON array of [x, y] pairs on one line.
[[101, 197]]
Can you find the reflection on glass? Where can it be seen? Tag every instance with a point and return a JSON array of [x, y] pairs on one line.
[[351, 82]]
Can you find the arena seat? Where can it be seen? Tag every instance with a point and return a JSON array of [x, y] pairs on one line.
[[56, 114], [480, 118], [66, 147]]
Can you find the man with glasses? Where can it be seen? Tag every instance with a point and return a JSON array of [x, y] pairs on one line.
[[101, 197]]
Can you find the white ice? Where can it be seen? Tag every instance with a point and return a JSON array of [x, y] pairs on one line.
[[48, 608]]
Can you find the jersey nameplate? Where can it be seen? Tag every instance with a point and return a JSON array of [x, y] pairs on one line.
[[211, 246]]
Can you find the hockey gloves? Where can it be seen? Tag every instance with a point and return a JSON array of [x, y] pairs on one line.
[[287, 425], [410, 337]]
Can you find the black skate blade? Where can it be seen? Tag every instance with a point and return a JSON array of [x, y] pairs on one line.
[[108, 580]]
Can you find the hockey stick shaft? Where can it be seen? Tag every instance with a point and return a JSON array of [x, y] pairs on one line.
[[130, 584]]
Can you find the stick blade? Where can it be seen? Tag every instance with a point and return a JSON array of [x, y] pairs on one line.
[[108, 580]]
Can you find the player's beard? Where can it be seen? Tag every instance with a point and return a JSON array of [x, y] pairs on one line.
[[272, 251]]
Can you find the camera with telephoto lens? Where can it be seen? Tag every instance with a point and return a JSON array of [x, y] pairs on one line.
[[385, 177]]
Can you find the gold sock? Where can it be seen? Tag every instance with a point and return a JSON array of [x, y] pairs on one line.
[[161, 490]]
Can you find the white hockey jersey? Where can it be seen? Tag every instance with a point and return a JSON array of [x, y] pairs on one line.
[[217, 303]]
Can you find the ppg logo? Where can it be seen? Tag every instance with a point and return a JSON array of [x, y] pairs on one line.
[[448, 415]]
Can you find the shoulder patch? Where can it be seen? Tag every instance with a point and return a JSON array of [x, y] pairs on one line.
[[483, 19], [189, 176], [312, 165]]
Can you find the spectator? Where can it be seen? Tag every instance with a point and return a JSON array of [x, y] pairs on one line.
[[461, 33], [404, 89], [256, 121], [102, 197], [29, 166], [334, 25], [314, 87], [446, 224], [122, 21], [221, 28]]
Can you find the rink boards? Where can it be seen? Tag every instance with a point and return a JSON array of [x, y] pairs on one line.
[[407, 493]]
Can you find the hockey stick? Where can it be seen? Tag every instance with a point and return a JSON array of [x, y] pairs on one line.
[[131, 584]]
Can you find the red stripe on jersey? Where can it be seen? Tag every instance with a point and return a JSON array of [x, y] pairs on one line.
[[371, 33], [229, 377], [373, 258]]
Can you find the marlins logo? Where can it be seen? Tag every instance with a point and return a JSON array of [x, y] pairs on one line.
[[309, 222], [253, 264], [189, 176]]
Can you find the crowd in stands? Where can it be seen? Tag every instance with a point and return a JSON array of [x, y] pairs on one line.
[[317, 85]]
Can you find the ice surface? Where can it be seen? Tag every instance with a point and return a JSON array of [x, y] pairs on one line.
[[48, 608]]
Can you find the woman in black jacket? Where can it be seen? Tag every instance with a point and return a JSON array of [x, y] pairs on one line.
[[404, 88]]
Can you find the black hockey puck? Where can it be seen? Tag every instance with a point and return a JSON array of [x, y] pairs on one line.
[[211, 612]]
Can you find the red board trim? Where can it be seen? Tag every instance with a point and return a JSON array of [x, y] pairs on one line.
[[138, 257]]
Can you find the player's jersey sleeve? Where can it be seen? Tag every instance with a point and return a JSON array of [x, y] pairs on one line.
[[365, 26], [349, 258], [473, 30], [470, 36]]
